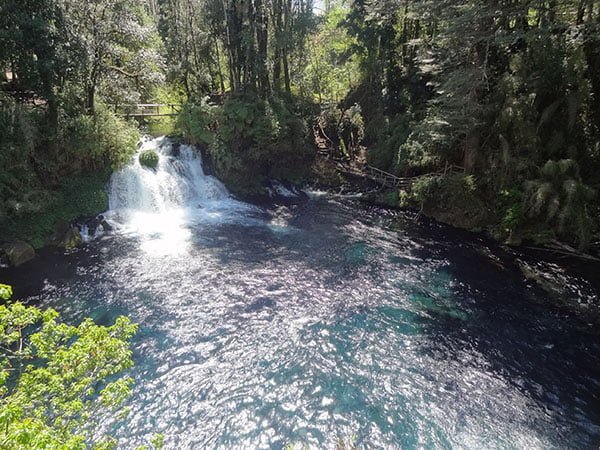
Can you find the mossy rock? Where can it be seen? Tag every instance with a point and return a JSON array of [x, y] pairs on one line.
[[18, 252], [73, 240], [149, 158]]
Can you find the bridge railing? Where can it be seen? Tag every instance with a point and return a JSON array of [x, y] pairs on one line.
[[147, 109], [381, 176]]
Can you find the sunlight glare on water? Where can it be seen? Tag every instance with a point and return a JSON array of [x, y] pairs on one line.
[[161, 204], [305, 323]]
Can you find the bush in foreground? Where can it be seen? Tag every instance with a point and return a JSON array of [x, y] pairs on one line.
[[55, 378]]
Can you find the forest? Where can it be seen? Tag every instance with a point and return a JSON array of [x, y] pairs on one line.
[[505, 90], [488, 109]]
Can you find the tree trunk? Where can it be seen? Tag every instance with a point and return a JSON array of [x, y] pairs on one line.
[[286, 72], [551, 15], [262, 41], [219, 68], [278, 26], [53, 113], [471, 151], [232, 48], [287, 29], [277, 70], [91, 99], [580, 12]]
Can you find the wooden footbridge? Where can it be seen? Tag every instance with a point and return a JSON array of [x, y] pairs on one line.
[[358, 168], [142, 110], [386, 179], [379, 176]]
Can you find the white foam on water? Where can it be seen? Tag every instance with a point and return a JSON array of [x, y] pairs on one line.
[[278, 189], [161, 204]]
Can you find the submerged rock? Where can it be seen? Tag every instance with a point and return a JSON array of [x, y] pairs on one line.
[[67, 236], [546, 281], [72, 238], [18, 252]]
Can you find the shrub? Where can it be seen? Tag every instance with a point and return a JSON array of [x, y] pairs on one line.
[[79, 195], [513, 214], [561, 200], [250, 140], [149, 158], [392, 134], [55, 378], [20, 190], [196, 122], [452, 198], [425, 188], [415, 153], [95, 142]]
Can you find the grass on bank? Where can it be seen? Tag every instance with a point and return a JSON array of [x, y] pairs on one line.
[[81, 195]]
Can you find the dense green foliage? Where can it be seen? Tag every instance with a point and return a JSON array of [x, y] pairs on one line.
[[149, 158], [505, 90], [254, 52], [79, 195], [508, 90], [61, 62], [41, 188], [251, 140], [56, 378], [330, 70]]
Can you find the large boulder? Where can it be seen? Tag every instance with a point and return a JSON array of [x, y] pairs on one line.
[[18, 252], [93, 224]]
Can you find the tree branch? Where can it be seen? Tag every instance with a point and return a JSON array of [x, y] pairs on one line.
[[123, 72]]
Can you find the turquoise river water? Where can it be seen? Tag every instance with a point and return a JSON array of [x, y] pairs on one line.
[[306, 321]]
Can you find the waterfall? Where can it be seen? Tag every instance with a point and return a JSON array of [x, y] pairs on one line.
[[177, 182], [161, 204]]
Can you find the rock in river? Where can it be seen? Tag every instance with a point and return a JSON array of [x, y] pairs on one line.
[[72, 238], [18, 252]]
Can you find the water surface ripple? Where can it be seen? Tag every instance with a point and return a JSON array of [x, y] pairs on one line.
[[337, 324], [325, 320]]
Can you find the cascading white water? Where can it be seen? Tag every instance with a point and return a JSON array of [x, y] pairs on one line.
[[160, 204], [178, 181]]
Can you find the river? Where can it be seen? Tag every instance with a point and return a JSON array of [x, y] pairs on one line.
[[306, 321]]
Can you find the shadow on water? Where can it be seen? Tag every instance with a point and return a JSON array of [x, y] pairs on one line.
[[534, 339], [326, 318]]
